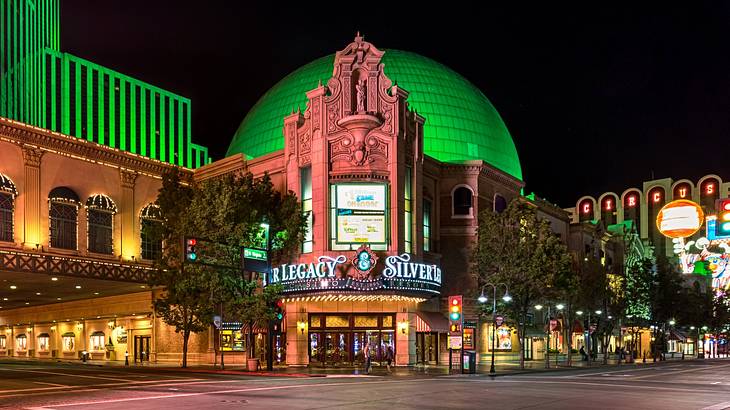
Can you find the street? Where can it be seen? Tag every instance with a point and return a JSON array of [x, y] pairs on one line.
[[668, 385]]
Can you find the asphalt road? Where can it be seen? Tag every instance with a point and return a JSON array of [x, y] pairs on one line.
[[669, 385]]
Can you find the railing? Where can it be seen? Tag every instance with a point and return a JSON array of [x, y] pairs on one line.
[[25, 262]]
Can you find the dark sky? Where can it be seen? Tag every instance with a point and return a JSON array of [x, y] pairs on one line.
[[596, 99]]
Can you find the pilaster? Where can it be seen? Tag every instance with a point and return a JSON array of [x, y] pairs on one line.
[[32, 197], [129, 243]]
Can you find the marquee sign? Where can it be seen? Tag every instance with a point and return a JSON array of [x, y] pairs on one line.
[[680, 219], [341, 273]]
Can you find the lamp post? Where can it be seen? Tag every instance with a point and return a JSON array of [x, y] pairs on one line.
[[547, 320], [483, 299]]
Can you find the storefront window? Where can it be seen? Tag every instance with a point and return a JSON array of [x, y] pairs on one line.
[[426, 225], [408, 212], [43, 342], [3, 343], [306, 188], [21, 342], [96, 341], [315, 321], [337, 321], [69, 341], [366, 321]]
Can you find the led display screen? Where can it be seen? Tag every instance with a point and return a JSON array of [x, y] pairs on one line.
[[360, 210]]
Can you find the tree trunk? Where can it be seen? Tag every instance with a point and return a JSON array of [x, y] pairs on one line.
[[521, 338], [569, 340], [186, 337]]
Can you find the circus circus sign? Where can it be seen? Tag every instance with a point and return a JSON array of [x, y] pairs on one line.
[[680, 219]]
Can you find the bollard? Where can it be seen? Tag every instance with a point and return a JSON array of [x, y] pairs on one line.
[[644, 359], [126, 358]]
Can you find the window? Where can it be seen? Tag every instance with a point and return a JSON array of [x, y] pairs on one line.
[[7, 206], [100, 217], [462, 198], [21, 342], [69, 341], [426, 225], [3, 343], [151, 242], [97, 341], [500, 204], [306, 189], [408, 214], [44, 341], [64, 212], [6, 217]]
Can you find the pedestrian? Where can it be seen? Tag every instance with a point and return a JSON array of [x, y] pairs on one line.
[[583, 354], [389, 356], [366, 354]]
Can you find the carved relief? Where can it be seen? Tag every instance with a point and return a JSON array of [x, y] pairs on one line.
[[333, 114], [315, 114], [305, 142], [387, 112], [32, 156], [128, 178]]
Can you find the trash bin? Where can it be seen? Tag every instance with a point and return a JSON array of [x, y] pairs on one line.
[[469, 365]]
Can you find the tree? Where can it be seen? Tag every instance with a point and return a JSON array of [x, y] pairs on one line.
[[227, 212], [519, 249], [666, 300]]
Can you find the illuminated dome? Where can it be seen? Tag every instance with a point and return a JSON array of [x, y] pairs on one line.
[[461, 123]]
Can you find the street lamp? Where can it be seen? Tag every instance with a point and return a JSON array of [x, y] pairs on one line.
[[546, 320], [483, 299]]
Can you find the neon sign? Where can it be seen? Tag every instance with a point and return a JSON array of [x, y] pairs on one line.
[[657, 196], [680, 219], [586, 208], [608, 204], [632, 201], [343, 273]]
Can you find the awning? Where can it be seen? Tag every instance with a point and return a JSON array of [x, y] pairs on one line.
[[578, 327], [675, 334], [63, 193], [431, 322], [44, 335], [69, 334]]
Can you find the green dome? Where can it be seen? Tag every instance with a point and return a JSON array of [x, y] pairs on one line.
[[461, 123]]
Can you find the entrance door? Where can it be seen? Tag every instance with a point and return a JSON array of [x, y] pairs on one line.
[[142, 348], [427, 348], [337, 348]]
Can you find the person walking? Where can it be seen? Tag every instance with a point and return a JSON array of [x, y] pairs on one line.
[[366, 353], [389, 356]]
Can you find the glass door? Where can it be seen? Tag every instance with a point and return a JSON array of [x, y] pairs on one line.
[[336, 348], [316, 354], [358, 343]]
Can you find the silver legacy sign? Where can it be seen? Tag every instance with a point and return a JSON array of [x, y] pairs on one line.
[[399, 274]]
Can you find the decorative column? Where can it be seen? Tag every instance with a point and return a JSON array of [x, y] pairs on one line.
[[32, 194], [129, 244]]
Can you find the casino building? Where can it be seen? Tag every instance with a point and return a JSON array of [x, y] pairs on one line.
[[392, 155]]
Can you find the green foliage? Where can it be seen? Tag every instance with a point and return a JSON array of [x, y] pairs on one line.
[[639, 278], [227, 212], [519, 249]]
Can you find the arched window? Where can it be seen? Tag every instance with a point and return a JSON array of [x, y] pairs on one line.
[[150, 219], [7, 206], [64, 213], [100, 218], [462, 200]]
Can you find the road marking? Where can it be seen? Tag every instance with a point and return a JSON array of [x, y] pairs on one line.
[[66, 374], [616, 385], [130, 383], [254, 389], [686, 371], [53, 384], [718, 406]]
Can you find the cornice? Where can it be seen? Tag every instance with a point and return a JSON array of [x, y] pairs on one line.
[[49, 141]]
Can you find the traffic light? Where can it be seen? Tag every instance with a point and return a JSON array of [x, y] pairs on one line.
[[191, 254], [455, 314], [722, 224], [278, 316]]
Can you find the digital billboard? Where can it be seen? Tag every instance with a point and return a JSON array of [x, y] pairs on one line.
[[361, 215]]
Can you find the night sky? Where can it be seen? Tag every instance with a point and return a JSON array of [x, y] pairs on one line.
[[596, 99]]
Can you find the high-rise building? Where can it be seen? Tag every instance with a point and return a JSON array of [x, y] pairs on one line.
[[43, 86]]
